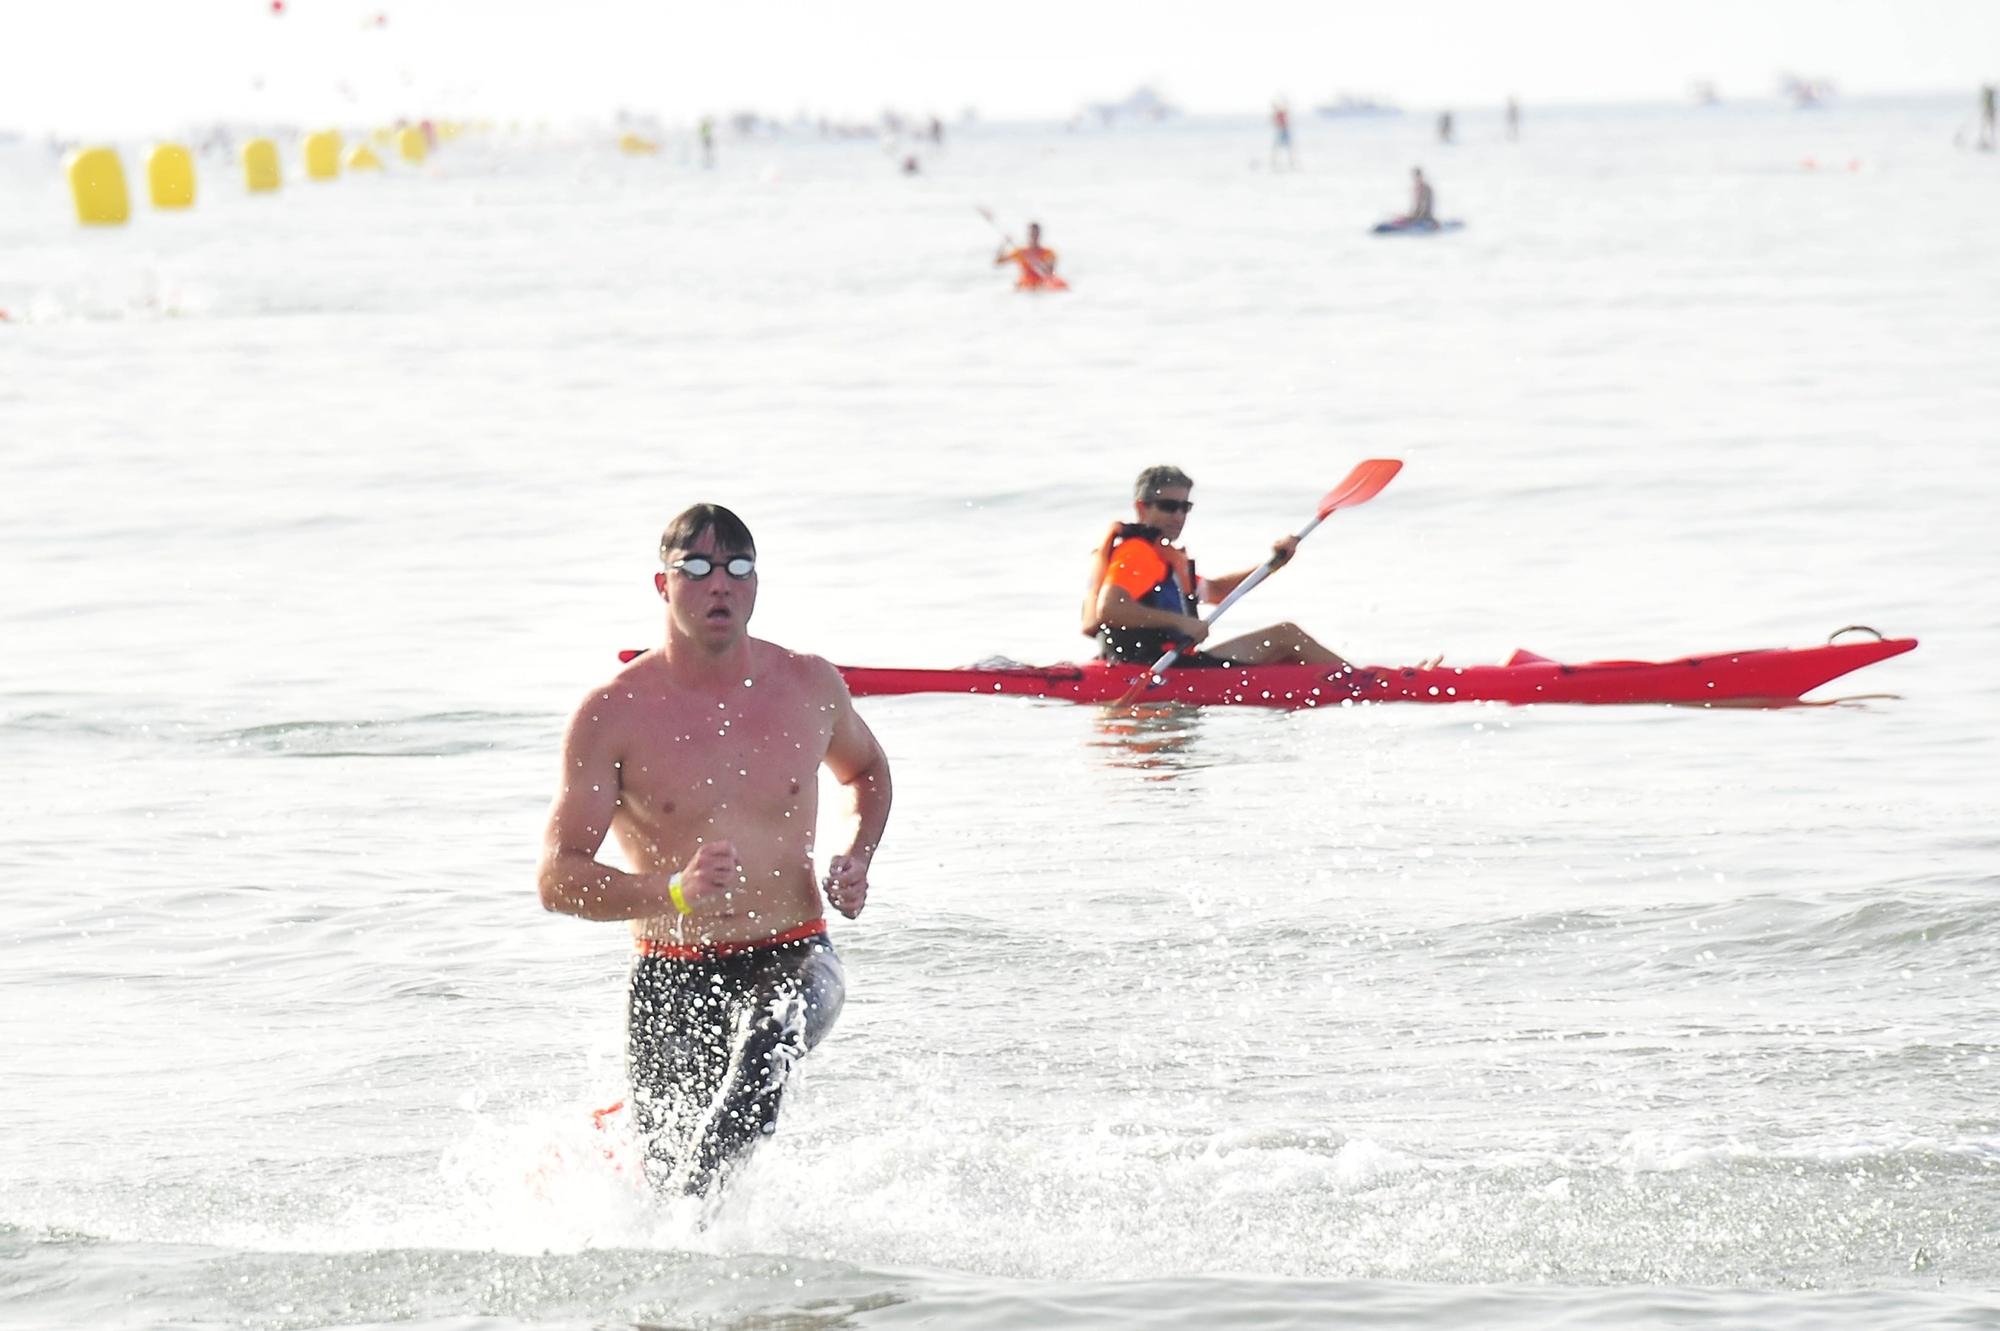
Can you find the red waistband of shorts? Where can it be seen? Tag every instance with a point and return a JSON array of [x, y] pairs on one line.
[[660, 947]]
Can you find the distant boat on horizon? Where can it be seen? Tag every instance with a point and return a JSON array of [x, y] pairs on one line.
[[1344, 105], [1142, 103], [1806, 93]]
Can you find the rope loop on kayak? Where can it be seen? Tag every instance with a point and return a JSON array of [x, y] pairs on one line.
[[1834, 636]]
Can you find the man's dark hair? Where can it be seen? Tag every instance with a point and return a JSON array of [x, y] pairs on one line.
[[732, 537], [1155, 479]]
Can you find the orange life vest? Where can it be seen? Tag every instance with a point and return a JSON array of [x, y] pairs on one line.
[[1133, 558]]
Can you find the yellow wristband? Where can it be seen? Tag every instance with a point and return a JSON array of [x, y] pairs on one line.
[[674, 895]]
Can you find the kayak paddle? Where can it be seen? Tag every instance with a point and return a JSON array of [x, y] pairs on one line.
[[1362, 484]]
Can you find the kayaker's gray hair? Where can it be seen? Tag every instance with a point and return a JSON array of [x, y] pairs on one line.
[[732, 534], [1155, 479]]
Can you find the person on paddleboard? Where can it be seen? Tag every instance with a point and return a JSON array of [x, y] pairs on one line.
[[1144, 594], [1423, 202], [702, 757], [1038, 263]]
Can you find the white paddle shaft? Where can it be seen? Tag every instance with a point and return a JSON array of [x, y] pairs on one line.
[[1261, 572]]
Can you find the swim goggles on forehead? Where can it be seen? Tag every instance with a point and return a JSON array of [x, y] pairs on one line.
[[697, 567]]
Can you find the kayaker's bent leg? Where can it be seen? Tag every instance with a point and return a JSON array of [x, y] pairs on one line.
[[1280, 644]]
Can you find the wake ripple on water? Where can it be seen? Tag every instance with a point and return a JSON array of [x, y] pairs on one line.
[[422, 735], [433, 735], [1943, 926]]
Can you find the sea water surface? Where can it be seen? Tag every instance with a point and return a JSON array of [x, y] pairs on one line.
[[322, 510]]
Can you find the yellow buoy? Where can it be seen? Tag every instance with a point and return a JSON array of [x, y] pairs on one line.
[[97, 179], [632, 143], [170, 176], [261, 172], [323, 155], [410, 143], [363, 158]]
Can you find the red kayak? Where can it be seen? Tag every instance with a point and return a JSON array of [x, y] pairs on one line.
[[1764, 678]]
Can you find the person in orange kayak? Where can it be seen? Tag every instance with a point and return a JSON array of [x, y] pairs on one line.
[[1038, 263], [1144, 593]]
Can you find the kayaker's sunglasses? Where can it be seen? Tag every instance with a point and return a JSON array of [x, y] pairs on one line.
[[1172, 505], [697, 567]]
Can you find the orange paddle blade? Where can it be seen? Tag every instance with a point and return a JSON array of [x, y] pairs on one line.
[[1362, 484]]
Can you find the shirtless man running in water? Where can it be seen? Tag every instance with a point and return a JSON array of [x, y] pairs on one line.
[[703, 757]]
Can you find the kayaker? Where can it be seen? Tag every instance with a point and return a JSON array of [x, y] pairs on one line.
[[703, 757], [1038, 262], [1423, 203], [1144, 593]]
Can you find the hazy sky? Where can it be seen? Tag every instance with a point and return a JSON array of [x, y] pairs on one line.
[[144, 66]]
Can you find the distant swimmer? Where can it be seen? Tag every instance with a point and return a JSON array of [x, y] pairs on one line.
[[702, 758], [1423, 202], [1444, 127], [1986, 113], [707, 132], [1037, 261], [1144, 594], [1281, 135], [1513, 120]]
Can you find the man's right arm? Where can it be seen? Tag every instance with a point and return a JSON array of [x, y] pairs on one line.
[[571, 879]]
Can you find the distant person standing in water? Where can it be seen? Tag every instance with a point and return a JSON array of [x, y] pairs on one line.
[[1513, 120], [707, 132], [1281, 136], [1986, 95], [1423, 203], [1444, 127]]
